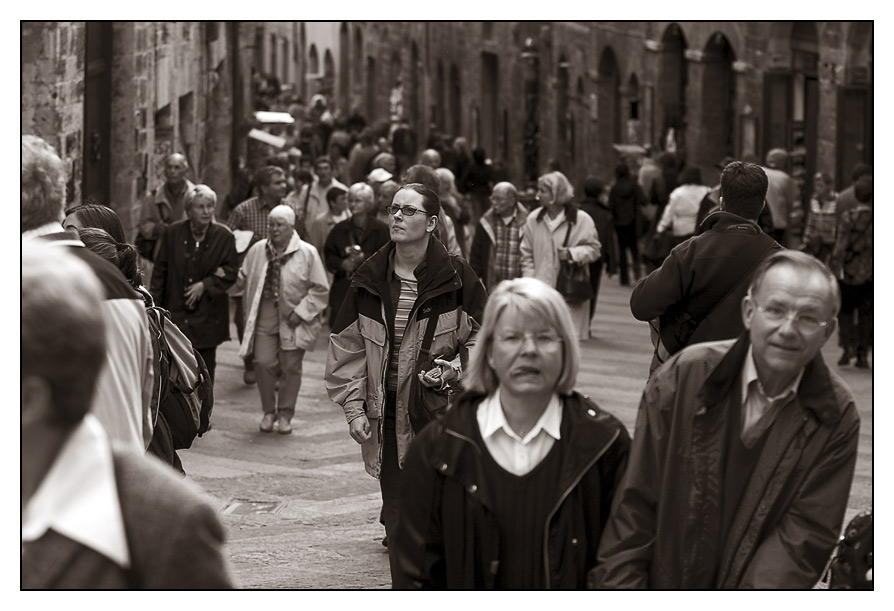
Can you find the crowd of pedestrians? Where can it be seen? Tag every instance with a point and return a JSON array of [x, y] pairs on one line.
[[454, 315]]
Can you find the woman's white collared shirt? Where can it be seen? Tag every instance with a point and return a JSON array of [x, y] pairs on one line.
[[518, 455]]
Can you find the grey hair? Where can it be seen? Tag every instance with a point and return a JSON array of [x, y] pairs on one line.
[[199, 191], [803, 262], [529, 296], [43, 184]]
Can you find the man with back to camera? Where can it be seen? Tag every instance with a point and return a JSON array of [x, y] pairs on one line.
[[696, 292], [744, 450]]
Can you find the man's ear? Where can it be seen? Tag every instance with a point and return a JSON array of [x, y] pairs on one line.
[[36, 400], [747, 311]]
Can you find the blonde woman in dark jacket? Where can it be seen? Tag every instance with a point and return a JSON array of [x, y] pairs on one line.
[[513, 488]]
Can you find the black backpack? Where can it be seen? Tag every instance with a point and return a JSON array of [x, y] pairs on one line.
[[851, 565], [182, 392]]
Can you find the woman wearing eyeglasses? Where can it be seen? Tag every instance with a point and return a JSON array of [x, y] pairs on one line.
[[408, 287], [513, 488]]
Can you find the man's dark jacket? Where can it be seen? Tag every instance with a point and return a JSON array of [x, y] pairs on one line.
[[699, 268], [448, 536], [666, 521]]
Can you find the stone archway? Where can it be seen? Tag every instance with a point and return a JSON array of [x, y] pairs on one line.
[[855, 124], [672, 81], [563, 151], [608, 108], [717, 122], [344, 63]]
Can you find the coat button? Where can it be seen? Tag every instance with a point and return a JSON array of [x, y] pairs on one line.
[[574, 541], [473, 489], [443, 466], [592, 412]]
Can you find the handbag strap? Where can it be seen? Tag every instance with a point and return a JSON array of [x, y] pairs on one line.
[[567, 234]]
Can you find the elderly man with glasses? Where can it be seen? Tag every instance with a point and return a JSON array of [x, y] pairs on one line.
[[744, 450], [409, 285], [495, 254]]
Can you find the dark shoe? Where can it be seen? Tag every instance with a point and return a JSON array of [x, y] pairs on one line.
[[846, 358], [862, 363], [283, 426], [249, 376], [266, 425]]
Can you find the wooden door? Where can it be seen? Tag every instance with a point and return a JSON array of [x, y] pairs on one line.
[[97, 108]]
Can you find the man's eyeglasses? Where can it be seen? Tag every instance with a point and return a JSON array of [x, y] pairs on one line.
[[544, 341], [805, 323], [405, 210]]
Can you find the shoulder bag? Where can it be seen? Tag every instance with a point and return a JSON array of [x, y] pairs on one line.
[[574, 278]]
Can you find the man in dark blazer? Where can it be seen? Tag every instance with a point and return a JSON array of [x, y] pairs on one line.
[[94, 516]]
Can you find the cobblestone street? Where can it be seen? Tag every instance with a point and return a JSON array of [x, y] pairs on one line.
[[301, 512]]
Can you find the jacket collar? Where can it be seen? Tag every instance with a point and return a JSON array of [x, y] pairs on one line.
[[586, 432], [570, 213], [815, 392], [720, 220], [521, 213], [435, 274]]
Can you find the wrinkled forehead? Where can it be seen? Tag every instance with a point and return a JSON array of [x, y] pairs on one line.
[[785, 283]]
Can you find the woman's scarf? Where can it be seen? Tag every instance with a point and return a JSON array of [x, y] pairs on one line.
[[275, 261]]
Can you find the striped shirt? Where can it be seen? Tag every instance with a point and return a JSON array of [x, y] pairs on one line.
[[408, 293]]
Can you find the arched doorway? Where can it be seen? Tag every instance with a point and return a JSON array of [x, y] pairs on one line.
[[357, 68], [438, 113], [328, 75], [633, 109], [718, 111], [562, 153], [672, 73], [609, 108], [855, 123], [371, 80], [456, 111], [411, 110], [344, 62]]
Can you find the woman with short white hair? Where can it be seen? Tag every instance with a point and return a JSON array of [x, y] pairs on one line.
[[195, 265], [512, 489], [286, 291]]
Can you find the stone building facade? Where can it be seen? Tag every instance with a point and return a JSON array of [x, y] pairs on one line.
[[115, 97]]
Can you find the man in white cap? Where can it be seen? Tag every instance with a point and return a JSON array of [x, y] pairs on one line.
[[286, 291]]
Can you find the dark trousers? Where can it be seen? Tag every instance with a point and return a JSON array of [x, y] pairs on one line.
[[209, 355], [627, 241], [856, 299], [389, 480]]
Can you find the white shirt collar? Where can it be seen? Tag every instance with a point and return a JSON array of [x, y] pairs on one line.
[[78, 498], [491, 419], [48, 228], [749, 375]]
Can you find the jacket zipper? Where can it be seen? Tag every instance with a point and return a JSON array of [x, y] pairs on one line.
[[562, 498]]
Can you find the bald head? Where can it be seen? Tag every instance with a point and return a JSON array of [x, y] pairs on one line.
[[431, 158], [176, 168]]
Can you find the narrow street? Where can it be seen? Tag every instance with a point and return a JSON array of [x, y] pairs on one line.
[[301, 512]]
